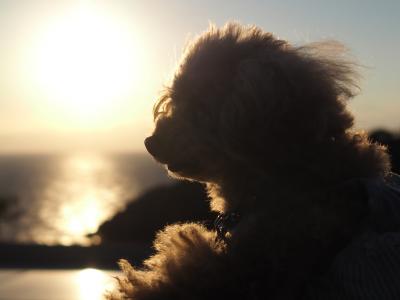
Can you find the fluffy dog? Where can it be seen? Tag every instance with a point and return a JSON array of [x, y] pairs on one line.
[[264, 125]]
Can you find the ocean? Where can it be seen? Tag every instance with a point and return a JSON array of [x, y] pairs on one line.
[[60, 199]]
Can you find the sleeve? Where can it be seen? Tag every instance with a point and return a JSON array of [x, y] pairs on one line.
[[368, 269]]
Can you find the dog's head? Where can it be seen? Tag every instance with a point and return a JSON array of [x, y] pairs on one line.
[[241, 97]]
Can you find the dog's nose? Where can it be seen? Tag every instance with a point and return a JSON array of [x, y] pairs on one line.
[[149, 144]]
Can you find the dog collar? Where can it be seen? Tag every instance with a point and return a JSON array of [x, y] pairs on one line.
[[224, 223]]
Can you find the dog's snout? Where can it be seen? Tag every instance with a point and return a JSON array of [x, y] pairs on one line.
[[153, 146], [149, 144]]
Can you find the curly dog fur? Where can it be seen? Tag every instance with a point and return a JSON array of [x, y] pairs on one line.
[[264, 125]]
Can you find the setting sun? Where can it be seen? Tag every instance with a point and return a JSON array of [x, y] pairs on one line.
[[86, 63]]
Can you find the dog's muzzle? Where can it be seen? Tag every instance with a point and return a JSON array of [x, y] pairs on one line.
[[149, 143], [154, 148]]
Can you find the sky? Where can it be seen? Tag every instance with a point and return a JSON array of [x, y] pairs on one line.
[[83, 75]]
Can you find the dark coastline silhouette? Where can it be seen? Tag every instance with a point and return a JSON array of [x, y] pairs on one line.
[[180, 202], [392, 141]]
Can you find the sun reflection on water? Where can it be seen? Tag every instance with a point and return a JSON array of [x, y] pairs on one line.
[[93, 283], [85, 194], [84, 284]]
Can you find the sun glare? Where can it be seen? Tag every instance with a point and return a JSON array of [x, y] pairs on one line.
[[86, 64], [93, 284]]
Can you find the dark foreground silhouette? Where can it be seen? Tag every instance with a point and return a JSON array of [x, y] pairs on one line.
[[73, 257]]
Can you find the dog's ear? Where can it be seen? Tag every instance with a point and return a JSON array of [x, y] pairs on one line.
[[286, 102], [261, 110]]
